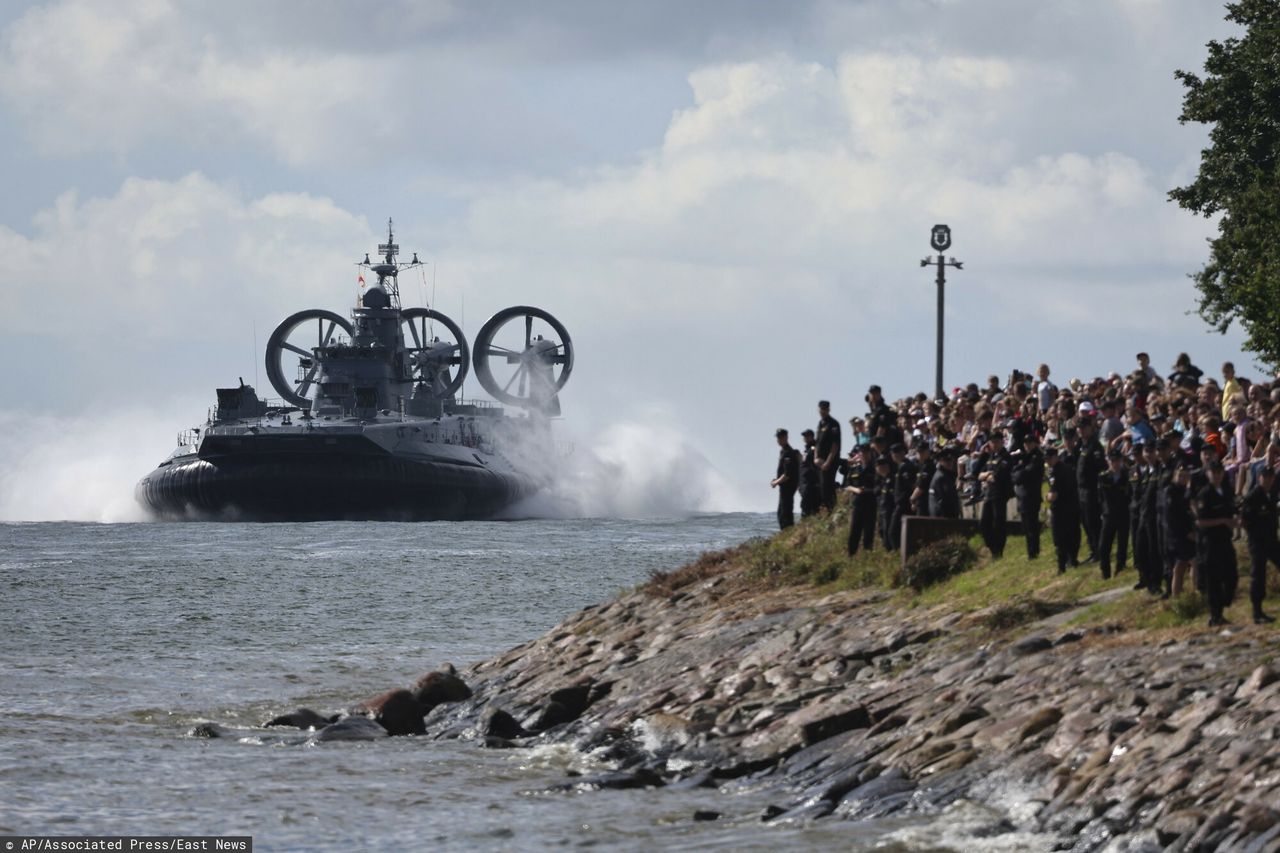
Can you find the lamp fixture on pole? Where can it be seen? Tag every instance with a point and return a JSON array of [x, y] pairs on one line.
[[940, 240]]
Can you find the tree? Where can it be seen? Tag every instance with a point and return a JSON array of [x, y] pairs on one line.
[[1239, 176]]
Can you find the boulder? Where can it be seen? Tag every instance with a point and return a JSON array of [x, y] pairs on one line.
[[351, 728], [301, 718], [497, 723], [396, 711], [439, 688]]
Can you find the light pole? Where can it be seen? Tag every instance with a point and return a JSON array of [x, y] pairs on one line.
[[940, 239]]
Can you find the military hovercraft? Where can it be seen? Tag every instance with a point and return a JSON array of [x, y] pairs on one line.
[[371, 423]]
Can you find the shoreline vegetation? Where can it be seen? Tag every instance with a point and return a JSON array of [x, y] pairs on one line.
[[1073, 707]]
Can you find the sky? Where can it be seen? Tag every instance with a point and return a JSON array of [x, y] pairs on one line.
[[725, 203]]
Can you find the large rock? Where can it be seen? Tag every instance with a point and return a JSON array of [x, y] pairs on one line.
[[439, 688], [301, 718], [351, 728], [396, 711]]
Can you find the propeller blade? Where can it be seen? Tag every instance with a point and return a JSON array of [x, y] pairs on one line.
[[299, 350], [528, 330], [520, 393], [519, 371], [413, 330], [328, 334]]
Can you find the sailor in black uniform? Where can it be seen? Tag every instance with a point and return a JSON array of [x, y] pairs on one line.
[[1148, 525], [1113, 490], [827, 454], [1215, 518], [905, 474], [1258, 511], [1028, 479], [1090, 463], [810, 484], [927, 462], [861, 483], [1179, 526], [1064, 505], [996, 486], [884, 498], [944, 499], [787, 480]]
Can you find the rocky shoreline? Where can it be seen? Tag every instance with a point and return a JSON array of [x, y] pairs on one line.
[[849, 706]]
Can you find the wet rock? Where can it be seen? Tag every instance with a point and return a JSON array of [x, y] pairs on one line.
[[206, 730], [641, 777], [440, 687], [355, 728], [396, 711], [499, 724], [705, 815], [301, 718]]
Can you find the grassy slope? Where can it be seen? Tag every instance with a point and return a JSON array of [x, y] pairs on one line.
[[1000, 593]]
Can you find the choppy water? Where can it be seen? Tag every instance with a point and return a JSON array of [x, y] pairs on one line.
[[118, 638]]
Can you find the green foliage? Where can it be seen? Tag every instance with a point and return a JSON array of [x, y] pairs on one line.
[[1239, 99], [1188, 607], [937, 562], [814, 553]]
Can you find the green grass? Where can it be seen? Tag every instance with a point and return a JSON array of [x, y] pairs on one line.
[[1003, 594]]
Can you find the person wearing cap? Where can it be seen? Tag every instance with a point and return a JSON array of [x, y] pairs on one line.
[[1146, 541], [996, 487], [1258, 511], [927, 462], [1028, 479], [1064, 503], [1112, 426], [905, 473], [1114, 491], [885, 471], [787, 479], [1090, 463], [810, 477], [944, 499], [1215, 556], [827, 454], [1179, 527], [861, 483], [880, 418], [1167, 465]]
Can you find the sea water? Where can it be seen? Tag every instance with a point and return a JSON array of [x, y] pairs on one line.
[[118, 639]]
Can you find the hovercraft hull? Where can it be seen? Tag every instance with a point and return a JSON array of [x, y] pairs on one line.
[[329, 486]]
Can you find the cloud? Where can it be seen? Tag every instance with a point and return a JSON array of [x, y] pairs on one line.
[[174, 260]]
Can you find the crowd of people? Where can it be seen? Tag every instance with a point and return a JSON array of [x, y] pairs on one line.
[[1164, 472]]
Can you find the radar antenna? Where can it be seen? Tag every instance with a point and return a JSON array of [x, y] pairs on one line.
[[388, 270]]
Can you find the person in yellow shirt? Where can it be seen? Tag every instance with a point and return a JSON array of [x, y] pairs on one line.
[[1230, 388]]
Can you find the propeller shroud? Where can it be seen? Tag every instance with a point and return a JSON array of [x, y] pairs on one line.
[[542, 366]]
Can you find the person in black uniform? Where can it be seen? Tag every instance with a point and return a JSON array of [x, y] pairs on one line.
[[861, 483], [996, 486], [1215, 556], [1168, 464], [905, 473], [1064, 504], [880, 418], [928, 464], [944, 498], [1138, 475], [1179, 527], [1028, 479], [1258, 511], [884, 498], [827, 454], [810, 481], [1113, 494], [787, 480], [1148, 526], [1090, 463]]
